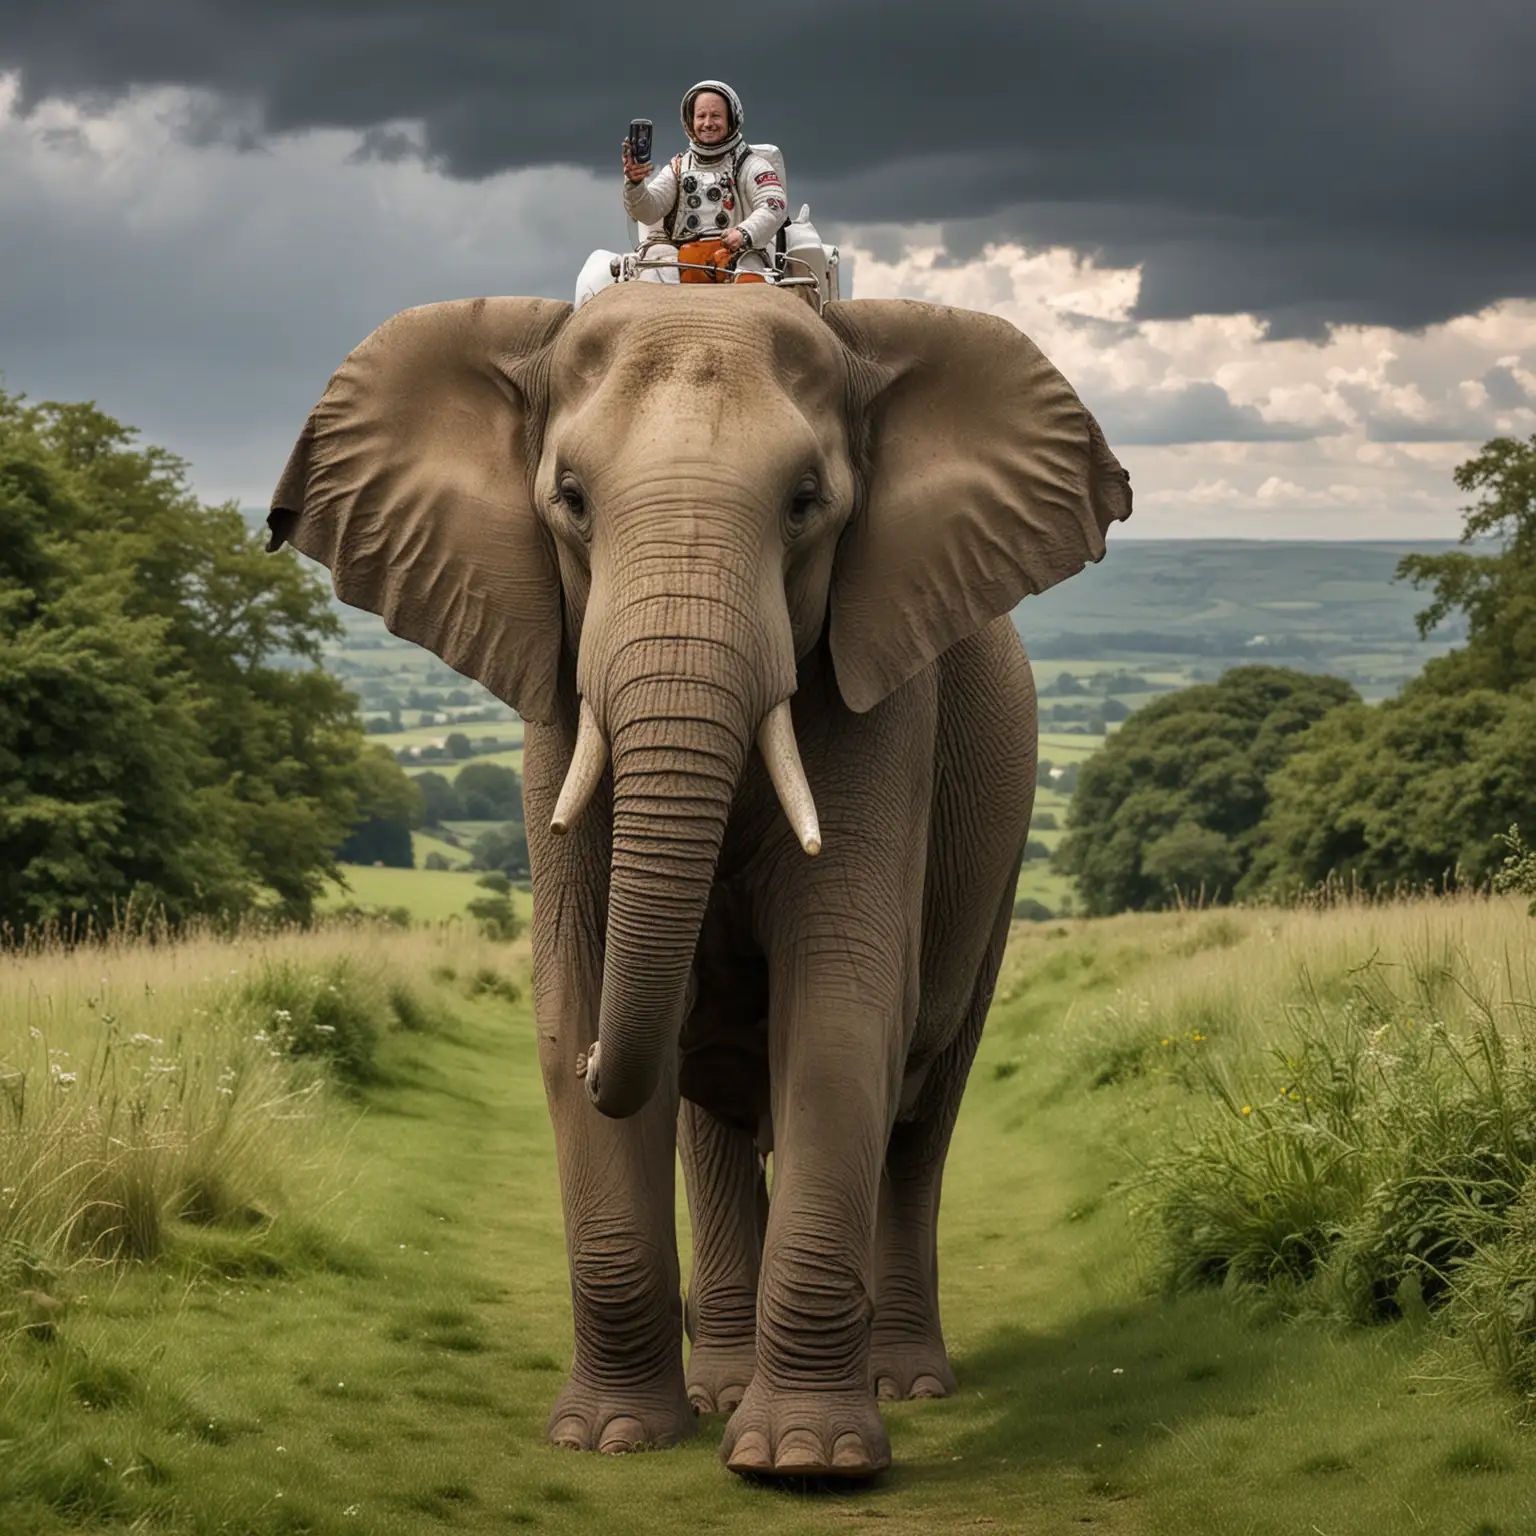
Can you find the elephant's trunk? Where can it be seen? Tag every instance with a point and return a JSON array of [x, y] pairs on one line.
[[679, 746]]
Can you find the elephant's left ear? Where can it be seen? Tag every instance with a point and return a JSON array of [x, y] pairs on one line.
[[410, 481], [986, 480]]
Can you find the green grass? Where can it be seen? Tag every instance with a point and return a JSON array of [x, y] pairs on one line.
[[510, 730], [512, 758], [406, 1389], [423, 843], [1062, 747], [429, 895]]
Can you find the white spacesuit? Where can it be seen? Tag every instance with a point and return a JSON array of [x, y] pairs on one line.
[[710, 189]]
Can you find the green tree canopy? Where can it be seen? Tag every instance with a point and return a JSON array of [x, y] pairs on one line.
[[489, 792], [166, 733], [389, 804], [439, 802], [1497, 591], [1172, 802], [1415, 791]]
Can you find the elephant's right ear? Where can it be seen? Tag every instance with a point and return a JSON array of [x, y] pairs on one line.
[[411, 481]]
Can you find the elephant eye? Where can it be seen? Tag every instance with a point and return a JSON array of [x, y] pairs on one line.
[[802, 506], [574, 500]]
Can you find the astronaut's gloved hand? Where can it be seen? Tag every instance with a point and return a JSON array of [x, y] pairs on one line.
[[633, 169], [734, 240]]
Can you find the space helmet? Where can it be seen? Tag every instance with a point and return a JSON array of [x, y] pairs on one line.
[[735, 117]]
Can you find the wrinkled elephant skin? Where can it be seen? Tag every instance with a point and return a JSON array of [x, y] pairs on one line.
[[648, 526]]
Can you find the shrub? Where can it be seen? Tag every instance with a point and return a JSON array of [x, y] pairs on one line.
[[1386, 1163], [436, 860], [1517, 874], [1026, 909], [327, 1011], [486, 980]]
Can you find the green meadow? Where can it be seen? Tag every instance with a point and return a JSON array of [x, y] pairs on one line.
[[334, 1298]]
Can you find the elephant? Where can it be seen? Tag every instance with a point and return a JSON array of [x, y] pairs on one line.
[[746, 571]]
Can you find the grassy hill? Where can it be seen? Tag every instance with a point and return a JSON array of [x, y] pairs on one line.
[[369, 1336]]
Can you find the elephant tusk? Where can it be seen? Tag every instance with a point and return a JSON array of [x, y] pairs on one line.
[[776, 741], [586, 771]]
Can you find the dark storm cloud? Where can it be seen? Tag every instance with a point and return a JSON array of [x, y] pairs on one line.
[[1360, 160]]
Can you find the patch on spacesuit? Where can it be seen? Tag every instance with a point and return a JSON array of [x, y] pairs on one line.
[[776, 204], [768, 178]]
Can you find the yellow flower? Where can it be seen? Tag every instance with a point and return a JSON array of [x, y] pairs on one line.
[[1165, 1042], [1247, 1109]]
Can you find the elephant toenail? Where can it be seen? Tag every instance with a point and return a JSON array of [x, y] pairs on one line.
[[887, 1390], [928, 1386], [623, 1435], [799, 1452], [569, 1434], [849, 1453], [750, 1453]]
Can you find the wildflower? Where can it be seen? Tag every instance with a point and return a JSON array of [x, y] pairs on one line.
[[36, 1033], [283, 1016], [260, 1036], [63, 1077], [1165, 1042], [1247, 1109], [1197, 1037]]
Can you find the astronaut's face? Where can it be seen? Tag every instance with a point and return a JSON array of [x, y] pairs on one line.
[[710, 117]]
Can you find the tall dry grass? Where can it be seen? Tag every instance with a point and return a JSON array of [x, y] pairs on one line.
[[156, 1089]]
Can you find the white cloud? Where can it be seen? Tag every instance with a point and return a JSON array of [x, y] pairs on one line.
[[1383, 415]]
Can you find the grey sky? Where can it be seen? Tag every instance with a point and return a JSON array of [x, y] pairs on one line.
[[1307, 160], [204, 205]]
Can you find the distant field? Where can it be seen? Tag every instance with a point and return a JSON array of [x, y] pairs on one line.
[[433, 735], [512, 758], [430, 895], [423, 843]]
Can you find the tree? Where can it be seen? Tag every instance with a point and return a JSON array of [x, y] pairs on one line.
[[166, 732], [502, 848], [458, 745], [494, 911], [489, 792], [1171, 803], [1496, 592], [439, 801], [389, 804], [1413, 792]]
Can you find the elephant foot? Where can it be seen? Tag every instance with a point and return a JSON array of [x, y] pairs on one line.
[[903, 1368], [614, 1420], [719, 1375], [785, 1433]]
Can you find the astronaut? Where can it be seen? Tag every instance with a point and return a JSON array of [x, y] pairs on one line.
[[719, 203]]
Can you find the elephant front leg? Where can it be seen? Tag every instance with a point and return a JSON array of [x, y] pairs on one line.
[[728, 1201], [810, 1409], [625, 1390]]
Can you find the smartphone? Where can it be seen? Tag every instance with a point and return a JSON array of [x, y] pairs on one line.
[[640, 141]]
